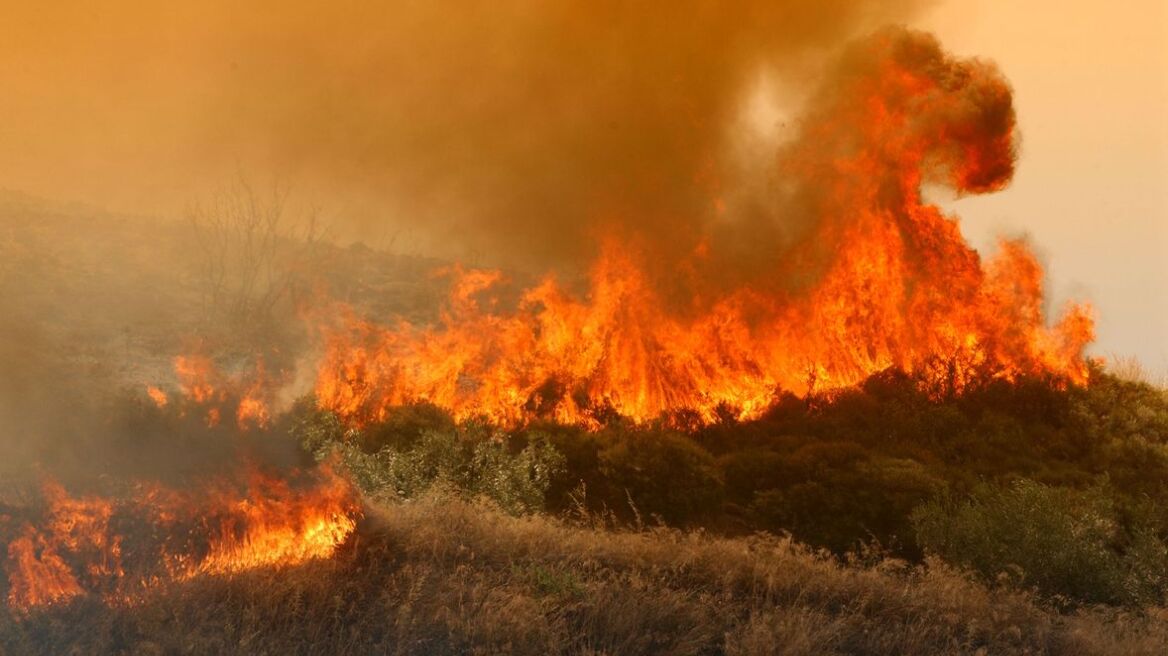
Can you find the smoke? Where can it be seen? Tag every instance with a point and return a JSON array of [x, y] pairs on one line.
[[87, 317], [892, 114], [511, 131], [897, 112], [524, 133]]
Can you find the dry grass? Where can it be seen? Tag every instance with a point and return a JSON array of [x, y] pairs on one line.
[[445, 577]]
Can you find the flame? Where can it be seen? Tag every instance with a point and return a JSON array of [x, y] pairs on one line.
[[252, 410], [117, 547], [201, 382], [276, 525], [37, 574], [880, 280], [157, 396], [198, 378]]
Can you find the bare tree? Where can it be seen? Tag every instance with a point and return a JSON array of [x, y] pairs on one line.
[[250, 252]]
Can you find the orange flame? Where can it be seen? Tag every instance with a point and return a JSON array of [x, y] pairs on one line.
[[74, 547], [203, 383], [198, 378], [37, 574], [882, 279], [277, 525], [157, 396]]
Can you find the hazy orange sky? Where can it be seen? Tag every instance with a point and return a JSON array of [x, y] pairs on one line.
[[1091, 90], [130, 106]]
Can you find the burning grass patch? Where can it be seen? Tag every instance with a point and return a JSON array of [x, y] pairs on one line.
[[443, 576]]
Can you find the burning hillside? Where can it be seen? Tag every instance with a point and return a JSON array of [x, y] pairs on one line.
[[873, 278], [879, 278], [551, 327]]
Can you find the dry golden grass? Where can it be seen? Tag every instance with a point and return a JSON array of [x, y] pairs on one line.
[[447, 577]]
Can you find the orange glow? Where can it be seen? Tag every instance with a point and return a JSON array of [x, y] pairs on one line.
[[277, 525], [157, 396], [880, 280], [204, 384], [198, 378], [74, 548]]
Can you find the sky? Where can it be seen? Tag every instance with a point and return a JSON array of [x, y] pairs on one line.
[[1091, 90], [133, 106]]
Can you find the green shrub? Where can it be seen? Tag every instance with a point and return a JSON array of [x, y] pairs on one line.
[[317, 430], [836, 496], [664, 474], [471, 465], [404, 425], [1061, 541], [1114, 409], [518, 482], [749, 470]]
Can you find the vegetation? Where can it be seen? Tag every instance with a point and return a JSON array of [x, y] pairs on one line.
[[1056, 490], [444, 576], [471, 461], [1061, 541]]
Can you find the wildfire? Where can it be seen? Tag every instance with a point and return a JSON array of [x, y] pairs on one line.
[[277, 525], [881, 279], [157, 396], [115, 547], [202, 383]]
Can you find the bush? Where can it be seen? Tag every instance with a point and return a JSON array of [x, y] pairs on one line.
[[835, 495], [1114, 409], [317, 430], [664, 474], [519, 482], [1061, 541], [404, 425], [469, 464]]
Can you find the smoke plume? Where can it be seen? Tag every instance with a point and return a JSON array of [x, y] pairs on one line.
[[506, 131]]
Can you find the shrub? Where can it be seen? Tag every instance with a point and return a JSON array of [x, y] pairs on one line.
[[843, 498], [404, 425], [664, 474], [519, 482], [1061, 541], [469, 465], [1111, 408], [749, 470], [316, 430]]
